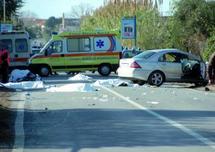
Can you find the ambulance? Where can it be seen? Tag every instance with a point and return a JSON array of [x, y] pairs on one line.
[[76, 52], [18, 45]]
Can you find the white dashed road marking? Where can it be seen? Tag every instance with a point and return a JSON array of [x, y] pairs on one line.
[[165, 119]]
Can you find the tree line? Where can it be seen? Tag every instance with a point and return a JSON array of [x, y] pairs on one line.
[[190, 27]]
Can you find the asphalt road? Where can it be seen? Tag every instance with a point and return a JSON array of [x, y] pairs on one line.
[[172, 118]]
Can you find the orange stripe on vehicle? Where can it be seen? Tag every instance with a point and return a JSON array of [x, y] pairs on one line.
[[84, 54], [18, 59], [87, 35]]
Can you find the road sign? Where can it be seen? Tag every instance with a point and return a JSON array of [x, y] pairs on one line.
[[128, 28], [6, 27]]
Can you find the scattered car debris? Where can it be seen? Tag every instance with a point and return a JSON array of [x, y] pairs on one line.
[[80, 77], [76, 87], [25, 85], [153, 102], [113, 83], [207, 89]]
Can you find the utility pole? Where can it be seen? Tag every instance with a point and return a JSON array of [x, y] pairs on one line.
[[135, 18], [4, 11]]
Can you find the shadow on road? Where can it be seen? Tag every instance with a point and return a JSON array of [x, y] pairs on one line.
[[87, 128], [7, 129]]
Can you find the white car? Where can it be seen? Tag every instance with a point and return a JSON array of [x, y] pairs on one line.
[[163, 65]]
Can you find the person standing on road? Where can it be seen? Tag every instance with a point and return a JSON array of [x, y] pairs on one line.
[[4, 61], [211, 69]]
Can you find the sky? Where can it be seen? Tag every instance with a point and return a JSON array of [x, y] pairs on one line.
[[47, 8]]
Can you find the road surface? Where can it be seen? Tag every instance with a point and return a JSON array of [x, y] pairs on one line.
[[172, 118]]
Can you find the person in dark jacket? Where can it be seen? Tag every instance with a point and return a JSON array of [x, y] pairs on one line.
[[211, 69], [4, 61]]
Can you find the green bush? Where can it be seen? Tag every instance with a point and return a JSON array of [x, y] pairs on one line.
[[210, 47]]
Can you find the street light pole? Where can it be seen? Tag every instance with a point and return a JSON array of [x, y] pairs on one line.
[[4, 10]]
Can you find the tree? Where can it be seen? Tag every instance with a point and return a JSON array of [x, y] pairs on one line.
[[210, 46], [29, 21], [12, 7], [81, 10], [109, 18], [197, 19], [28, 18], [197, 16], [51, 25]]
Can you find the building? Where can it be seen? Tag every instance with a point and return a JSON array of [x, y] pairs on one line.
[[69, 24]]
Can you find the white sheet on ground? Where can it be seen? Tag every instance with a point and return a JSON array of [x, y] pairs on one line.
[[76, 87], [25, 85], [80, 77], [18, 74], [113, 82]]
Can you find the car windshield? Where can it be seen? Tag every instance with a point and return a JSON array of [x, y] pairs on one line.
[[145, 54]]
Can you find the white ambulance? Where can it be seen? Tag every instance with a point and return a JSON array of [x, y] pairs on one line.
[[18, 45]]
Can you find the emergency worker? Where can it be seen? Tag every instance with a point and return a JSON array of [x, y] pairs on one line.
[[4, 62]]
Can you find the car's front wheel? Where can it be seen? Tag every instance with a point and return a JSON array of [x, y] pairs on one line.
[[44, 71], [156, 78]]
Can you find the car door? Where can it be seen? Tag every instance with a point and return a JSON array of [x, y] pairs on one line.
[[170, 63]]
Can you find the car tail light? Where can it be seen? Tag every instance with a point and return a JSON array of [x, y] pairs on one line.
[[135, 65]]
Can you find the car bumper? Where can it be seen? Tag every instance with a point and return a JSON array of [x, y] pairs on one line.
[[133, 74]]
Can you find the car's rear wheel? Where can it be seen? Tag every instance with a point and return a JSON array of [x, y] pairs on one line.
[[156, 78], [44, 71], [104, 69]]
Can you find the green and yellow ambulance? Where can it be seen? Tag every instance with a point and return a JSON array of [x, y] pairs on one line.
[[76, 52]]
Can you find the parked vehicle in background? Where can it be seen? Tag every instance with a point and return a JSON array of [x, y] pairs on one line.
[[36, 49], [129, 53], [75, 52], [18, 44], [163, 65]]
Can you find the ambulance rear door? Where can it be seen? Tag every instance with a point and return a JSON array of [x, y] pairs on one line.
[[21, 52]]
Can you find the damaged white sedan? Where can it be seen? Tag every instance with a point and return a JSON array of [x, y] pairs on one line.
[[163, 65]]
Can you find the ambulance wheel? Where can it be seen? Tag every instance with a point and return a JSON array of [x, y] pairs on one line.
[[104, 69], [44, 71]]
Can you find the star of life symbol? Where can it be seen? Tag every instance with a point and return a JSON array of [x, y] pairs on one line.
[[99, 43]]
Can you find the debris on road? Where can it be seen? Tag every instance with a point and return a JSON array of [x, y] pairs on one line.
[[26, 85], [207, 89], [153, 102], [76, 87], [80, 77], [113, 83]]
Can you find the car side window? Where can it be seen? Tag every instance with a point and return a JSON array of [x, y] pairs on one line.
[[78, 45], [173, 57]]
